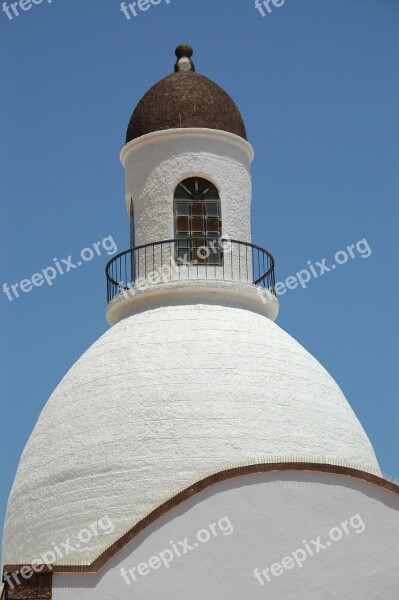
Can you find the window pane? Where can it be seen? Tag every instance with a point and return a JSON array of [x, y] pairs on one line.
[[212, 209], [183, 241], [200, 253], [212, 225], [190, 184], [198, 243], [183, 256], [181, 193], [181, 209], [202, 185], [197, 225], [211, 194], [215, 258], [197, 208], [182, 224]]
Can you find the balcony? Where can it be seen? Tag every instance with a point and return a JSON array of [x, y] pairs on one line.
[[189, 259]]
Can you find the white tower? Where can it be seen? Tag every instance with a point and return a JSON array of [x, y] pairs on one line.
[[194, 378]]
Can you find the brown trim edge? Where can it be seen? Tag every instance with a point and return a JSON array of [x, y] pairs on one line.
[[203, 484]]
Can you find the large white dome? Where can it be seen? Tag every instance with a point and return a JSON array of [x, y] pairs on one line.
[[158, 402]]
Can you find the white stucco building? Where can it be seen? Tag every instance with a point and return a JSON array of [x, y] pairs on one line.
[[195, 406]]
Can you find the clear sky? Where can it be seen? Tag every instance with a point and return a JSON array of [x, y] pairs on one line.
[[317, 82]]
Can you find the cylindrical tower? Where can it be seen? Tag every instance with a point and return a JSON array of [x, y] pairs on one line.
[[188, 197]]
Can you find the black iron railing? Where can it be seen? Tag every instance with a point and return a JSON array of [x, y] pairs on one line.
[[189, 259]]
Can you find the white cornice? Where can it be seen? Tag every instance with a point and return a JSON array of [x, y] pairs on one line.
[[184, 133]]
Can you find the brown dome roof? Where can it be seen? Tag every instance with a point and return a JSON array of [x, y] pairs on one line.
[[185, 99]]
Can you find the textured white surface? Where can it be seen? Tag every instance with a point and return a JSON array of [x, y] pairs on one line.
[[268, 516], [159, 401], [156, 163]]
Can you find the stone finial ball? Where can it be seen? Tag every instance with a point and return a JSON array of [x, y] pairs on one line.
[[184, 50]]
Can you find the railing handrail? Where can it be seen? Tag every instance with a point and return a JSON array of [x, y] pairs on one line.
[[132, 251]]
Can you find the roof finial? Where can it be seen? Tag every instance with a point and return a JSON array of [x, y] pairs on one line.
[[184, 62]]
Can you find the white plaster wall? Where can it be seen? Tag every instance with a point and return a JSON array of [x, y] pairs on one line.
[[159, 401], [257, 521], [156, 163]]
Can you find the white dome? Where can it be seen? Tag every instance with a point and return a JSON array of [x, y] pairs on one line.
[[157, 403]]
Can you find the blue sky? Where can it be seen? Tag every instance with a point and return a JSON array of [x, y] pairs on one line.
[[317, 83]]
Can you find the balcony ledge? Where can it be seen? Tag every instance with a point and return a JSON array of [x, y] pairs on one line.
[[201, 291]]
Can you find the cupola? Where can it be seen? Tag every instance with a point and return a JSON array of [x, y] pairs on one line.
[[185, 99]]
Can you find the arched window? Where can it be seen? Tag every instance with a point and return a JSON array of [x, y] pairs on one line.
[[198, 222]]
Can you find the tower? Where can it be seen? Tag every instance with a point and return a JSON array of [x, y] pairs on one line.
[[193, 384], [188, 196]]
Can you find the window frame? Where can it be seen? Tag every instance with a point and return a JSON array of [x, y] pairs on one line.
[[192, 193]]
